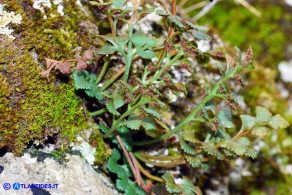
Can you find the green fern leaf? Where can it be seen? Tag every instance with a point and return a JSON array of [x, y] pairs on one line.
[[88, 82], [189, 136], [103, 128], [139, 39], [196, 27], [251, 153], [212, 150], [229, 153], [236, 147], [107, 49], [187, 148], [152, 111], [262, 114], [188, 188], [194, 161], [162, 13], [83, 79], [200, 36], [278, 122], [133, 123], [118, 101], [112, 161], [176, 20], [248, 122], [122, 41], [170, 184], [148, 123], [238, 54], [244, 141], [153, 42], [147, 54], [110, 107], [225, 118], [261, 131], [118, 4]]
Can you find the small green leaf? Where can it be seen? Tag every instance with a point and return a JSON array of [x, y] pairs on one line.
[[111, 108], [152, 111], [212, 150], [196, 27], [176, 20], [251, 153], [244, 141], [118, 101], [139, 39], [95, 92], [118, 4], [110, 39], [162, 13], [278, 122], [103, 128], [148, 123], [148, 54], [262, 114], [133, 123], [225, 118], [248, 122], [83, 79], [88, 82], [260, 131], [170, 184], [190, 136], [238, 54], [112, 161], [122, 41], [199, 35], [186, 147], [236, 147], [106, 49], [153, 42], [188, 188], [194, 161], [123, 129]]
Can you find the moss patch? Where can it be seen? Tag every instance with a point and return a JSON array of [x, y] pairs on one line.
[[267, 35], [31, 108]]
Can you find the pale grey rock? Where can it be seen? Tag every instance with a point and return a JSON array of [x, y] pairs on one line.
[[285, 69], [74, 177]]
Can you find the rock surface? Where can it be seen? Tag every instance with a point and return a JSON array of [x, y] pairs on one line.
[[74, 177]]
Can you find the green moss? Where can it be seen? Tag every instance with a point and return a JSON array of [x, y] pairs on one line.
[[103, 151], [266, 34], [32, 108]]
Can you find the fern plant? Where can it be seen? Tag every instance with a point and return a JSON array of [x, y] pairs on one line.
[[130, 86]]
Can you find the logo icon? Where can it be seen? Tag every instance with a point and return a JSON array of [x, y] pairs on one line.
[[16, 186], [6, 186]]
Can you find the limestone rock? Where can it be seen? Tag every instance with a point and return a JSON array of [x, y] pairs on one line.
[[74, 177]]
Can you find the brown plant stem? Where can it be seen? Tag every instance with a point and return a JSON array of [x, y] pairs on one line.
[[148, 175], [127, 156], [160, 157], [113, 78], [139, 179], [239, 135], [161, 164]]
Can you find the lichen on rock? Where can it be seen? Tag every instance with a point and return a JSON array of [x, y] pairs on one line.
[[5, 19]]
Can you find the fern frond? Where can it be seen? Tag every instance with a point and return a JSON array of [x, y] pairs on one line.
[[170, 184], [194, 161], [210, 149], [187, 148], [111, 108]]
